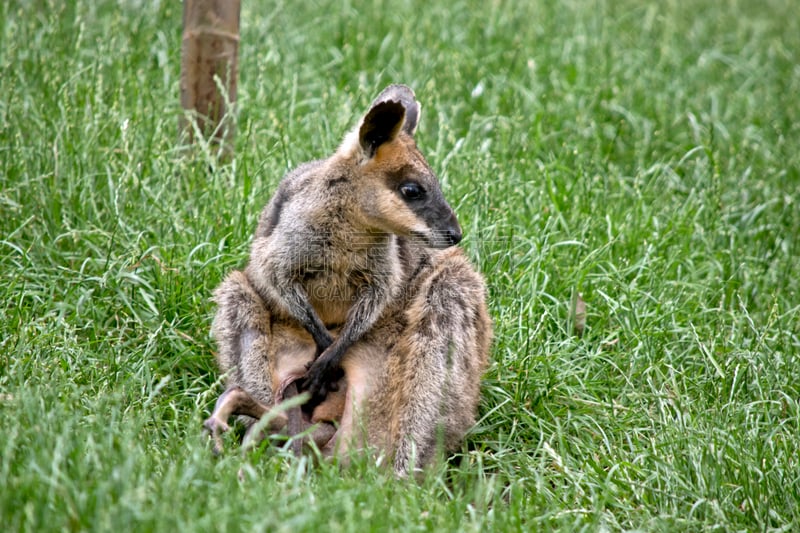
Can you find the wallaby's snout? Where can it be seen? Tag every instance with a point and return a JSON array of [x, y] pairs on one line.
[[454, 234], [446, 233]]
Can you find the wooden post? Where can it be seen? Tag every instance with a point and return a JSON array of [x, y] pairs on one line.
[[209, 69]]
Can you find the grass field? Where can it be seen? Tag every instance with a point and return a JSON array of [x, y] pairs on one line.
[[645, 156]]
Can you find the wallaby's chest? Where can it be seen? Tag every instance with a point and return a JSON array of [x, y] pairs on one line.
[[331, 294], [334, 280]]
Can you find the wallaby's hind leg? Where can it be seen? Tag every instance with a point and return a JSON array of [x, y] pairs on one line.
[[242, 331], [237, 401], [434, 371], [264, 359]]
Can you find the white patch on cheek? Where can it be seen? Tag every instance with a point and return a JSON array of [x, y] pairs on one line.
[[401, 220], [421, 229]]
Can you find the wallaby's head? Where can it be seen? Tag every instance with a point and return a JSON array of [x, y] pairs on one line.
[[396, 189]]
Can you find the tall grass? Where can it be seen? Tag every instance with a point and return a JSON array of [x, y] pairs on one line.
[[644, 156]]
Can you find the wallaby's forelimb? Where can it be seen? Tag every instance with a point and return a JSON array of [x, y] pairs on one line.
[[325, 371], [294, 299]]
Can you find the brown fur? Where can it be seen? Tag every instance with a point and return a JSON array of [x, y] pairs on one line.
[[351, 272]]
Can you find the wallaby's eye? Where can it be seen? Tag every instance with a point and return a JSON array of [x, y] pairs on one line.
[[412, 191]]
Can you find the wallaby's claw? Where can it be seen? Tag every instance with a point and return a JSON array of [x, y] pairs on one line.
[[213, 427], [316, 380], [320, 380]]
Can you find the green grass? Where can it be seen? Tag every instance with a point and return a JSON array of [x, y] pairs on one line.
[[644, 156]]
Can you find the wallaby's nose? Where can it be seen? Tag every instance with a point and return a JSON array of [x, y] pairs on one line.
[[454, 235]]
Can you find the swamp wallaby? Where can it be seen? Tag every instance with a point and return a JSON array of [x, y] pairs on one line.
[[355, 291]]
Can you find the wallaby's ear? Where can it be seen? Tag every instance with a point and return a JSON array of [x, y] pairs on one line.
[[406, 97], [381, 124], [395, 109]]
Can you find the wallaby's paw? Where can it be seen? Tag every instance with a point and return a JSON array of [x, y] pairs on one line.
[[319, 381], [213, 427]]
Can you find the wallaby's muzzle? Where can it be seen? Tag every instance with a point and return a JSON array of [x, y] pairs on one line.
[[447, 234]]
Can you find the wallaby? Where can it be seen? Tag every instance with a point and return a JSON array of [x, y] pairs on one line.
[[355, 291]]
